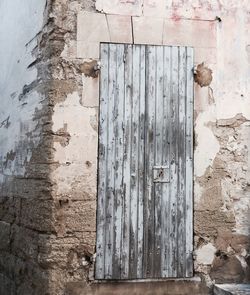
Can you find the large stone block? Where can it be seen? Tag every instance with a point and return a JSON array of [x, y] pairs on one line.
[[227, 270], [9, 209], [24, 243], [193, 33], [31, 278], [54, 251], [30, 187], [92, 28], [77, 216], [7, 285], [209, 222], [37, 215], [4, 236], [88, 49], [120, 28], [148, 30]]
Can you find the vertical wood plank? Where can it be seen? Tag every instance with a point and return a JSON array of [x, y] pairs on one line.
[[158, 153], [165, 220], [109, 247], [149, 162], [181, 163], [141, 162], [173, 163], [189, 163], [103, 127], [134, 161], [119, 148], [128, 56]]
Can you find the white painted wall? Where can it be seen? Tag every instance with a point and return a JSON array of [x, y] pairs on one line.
[[20, 21]]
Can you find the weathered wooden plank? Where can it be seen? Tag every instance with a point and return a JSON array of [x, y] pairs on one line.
[[128, 54], [158, 158], [181, 163], [134, 161], [109, 247], [141, 156], [173, 163], [103, 126], [119, 149], [149, 162], [166, 162], [189, 163]]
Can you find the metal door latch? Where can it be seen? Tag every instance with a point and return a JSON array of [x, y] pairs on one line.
[[161, 174]]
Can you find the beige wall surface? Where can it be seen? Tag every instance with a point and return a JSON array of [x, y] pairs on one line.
[[48, 184], [219, 33]]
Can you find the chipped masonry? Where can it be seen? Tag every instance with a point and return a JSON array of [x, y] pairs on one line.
[[49, 131]]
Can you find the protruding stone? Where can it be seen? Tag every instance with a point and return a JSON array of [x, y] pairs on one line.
[[203, 75]]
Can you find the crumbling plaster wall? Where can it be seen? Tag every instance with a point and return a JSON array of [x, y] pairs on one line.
[[38, 246], [219, 33], [49, 183], [23, 175]]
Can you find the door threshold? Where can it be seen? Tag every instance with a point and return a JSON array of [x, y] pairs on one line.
[[191, 279]]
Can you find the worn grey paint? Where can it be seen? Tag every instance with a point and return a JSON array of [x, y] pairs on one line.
[[144, 219]]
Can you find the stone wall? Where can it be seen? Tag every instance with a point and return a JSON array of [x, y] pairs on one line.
[[48, 133], [42, 241], [23, 155]]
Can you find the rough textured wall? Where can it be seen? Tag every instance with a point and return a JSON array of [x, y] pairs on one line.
[[49, 159], [23, 163], [219, 32], [44, 243]]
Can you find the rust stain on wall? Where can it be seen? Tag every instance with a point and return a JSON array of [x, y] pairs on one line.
[[203, 75], [90, 69]]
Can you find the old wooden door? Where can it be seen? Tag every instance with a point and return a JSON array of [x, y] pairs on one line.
[[144, 216]]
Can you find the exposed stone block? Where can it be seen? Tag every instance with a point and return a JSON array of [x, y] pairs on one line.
[[31, 279], [120, 28], [37, 215], [205, 254], [227, 270], [4, 235], [148, 30], [7, 264], [30, 187], [189, 33], [53, 251], [9, 209], [92, 28], [77, 216], [209, 222], [24, 243], [7, 285], [88, 49]]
